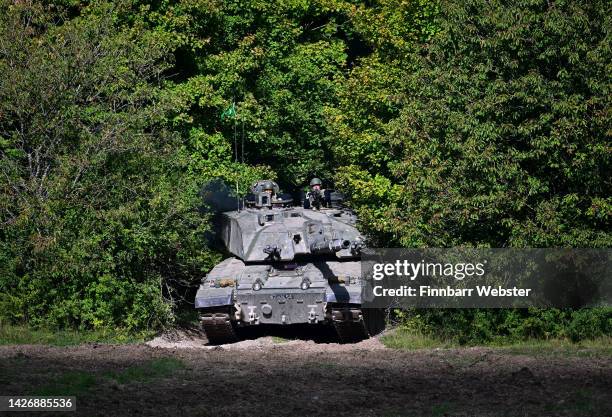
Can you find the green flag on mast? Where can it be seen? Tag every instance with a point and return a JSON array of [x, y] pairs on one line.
[[229, 112]]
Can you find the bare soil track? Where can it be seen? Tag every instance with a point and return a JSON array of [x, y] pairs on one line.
[[261, 376]]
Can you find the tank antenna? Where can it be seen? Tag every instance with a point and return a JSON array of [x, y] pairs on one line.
[[236, 153], [242, 149]]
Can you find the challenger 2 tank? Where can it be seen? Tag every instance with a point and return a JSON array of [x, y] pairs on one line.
[[291, 264]]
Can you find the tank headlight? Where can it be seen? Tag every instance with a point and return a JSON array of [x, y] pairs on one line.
[[305, 284], [257, 286]]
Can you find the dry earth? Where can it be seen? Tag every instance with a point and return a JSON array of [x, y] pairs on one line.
[[266, 376]]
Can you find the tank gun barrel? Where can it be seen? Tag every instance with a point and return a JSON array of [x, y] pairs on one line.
[[329, 246]]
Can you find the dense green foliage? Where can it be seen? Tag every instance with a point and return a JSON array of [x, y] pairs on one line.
[[446, 123], [97, 212], [493, 133]]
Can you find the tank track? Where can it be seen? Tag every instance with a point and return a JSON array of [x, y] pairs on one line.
[[219, 328], [375, 320], [349, 325]]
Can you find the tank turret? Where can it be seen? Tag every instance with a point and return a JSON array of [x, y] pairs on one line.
[[270, 229]]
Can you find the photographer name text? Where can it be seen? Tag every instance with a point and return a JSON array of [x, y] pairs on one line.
[[457, 271]]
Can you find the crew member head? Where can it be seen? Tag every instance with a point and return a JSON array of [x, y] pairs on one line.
[[268, 187], [315, 184]]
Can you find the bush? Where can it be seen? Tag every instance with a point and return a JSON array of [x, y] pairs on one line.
[[99, 221]]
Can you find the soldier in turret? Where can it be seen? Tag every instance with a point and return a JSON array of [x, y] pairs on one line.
[[316, 184], [315, 198], [268, 187]]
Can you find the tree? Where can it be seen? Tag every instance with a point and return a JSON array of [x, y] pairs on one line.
[[99, 216], [495, 131]]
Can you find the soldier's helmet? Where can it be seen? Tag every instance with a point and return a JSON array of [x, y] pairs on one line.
[[268, 186], [315, 181], [266, 193]]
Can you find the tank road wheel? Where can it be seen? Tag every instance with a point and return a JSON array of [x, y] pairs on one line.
[[349, 325], [219, 328]]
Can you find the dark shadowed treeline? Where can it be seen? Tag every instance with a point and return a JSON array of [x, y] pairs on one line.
[[446, 123]]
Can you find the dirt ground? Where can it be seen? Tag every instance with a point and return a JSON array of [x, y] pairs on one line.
[[179, 374]]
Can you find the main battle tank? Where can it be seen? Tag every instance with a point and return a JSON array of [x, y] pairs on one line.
[[291, 265]]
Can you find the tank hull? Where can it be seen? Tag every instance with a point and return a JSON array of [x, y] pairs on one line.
[[235, 294], [281, 294]]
